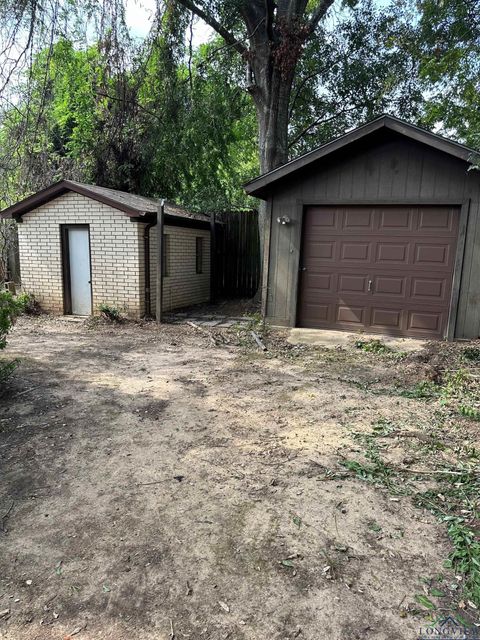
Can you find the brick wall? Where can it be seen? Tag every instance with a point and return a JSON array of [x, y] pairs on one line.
[[114, 245], [183, 287]]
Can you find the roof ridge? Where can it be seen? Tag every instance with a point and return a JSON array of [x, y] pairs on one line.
[[441, 143]]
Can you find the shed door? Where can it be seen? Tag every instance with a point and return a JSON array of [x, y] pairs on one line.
[[79, 269], [379, 269]]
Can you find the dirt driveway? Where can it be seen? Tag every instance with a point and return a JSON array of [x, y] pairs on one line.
[[156, 486]]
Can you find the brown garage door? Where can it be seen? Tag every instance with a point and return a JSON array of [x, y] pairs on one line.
[[379, 269]]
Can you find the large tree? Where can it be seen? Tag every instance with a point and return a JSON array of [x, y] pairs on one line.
[[276, 33]]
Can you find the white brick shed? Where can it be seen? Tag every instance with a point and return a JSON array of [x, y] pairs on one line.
[[83, 245]]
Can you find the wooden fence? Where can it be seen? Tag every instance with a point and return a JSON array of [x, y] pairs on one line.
[[236, 255]]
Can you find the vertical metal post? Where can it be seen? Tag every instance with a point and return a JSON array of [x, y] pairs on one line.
[[213, 259], [160, 250]]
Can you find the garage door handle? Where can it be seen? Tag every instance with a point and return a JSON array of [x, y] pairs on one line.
[[370, 283]]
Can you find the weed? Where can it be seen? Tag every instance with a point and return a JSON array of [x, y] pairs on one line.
[[471, 354], [373, 346], [469, 412], [10, 308], [455, 502], [423, 389], [110, 313], [383, 427], [6, 369], [27, 304]]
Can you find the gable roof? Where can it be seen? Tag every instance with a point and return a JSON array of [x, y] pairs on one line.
[[259, 186], [132, 205]]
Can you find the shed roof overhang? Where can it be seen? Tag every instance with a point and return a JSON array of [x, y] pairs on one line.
[[261, 186], [138, 208]]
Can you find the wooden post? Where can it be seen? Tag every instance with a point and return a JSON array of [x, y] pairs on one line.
[[160, 249], [213, 259]]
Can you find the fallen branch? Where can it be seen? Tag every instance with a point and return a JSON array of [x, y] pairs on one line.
[[204, 331], [21, 393], [427, 472], [455, 472], [256, 337]]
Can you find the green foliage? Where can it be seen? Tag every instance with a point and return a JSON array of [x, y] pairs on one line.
[[160, 128], [162, 119], [353, 72], [469, 412], [471, 354], [372, 346], [423, 389], [27, 303], [10, 308], [110, 313], [446, 44], [455, 502]]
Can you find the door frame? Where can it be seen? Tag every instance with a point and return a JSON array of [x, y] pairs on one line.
[[65, 256], [462, 205]]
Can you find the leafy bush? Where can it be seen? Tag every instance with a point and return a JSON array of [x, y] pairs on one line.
[[109, 312], [10, 308], [28, 304]]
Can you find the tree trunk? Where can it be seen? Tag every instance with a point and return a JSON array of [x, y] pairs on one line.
[[271, 95]]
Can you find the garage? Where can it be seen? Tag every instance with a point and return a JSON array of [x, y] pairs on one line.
[[377, 231]]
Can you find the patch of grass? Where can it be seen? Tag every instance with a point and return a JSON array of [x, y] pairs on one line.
[[423, 389], [375, 470], [373, 346], [110, 313], [383, 427], [454, 501], [7, 368], [469, 412], [471, 354]]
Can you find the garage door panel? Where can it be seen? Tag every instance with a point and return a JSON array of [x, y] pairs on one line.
[[318, 313], [323, 220], [432, 254], [351, 315], [321, 251], [386, 318], [428, 322], [390, 285], [362, 220], [378, 268], [355, 251], [439, 220], [353, 283], [429, 288], [322, 282], [395, 219], [392, 253]]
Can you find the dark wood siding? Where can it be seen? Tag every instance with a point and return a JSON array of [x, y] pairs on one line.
[[391, 171]]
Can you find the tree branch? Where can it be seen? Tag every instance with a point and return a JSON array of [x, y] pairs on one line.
[[317, 122], [318, 13], [300, 87], [216, 26]]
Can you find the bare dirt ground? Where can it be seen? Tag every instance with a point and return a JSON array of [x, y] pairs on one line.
[[156, 485]]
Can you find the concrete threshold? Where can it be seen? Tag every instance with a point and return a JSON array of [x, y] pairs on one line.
[[334, 339]]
